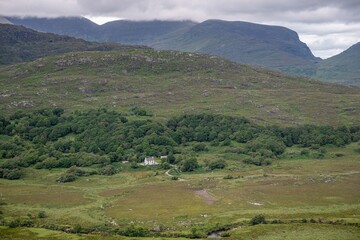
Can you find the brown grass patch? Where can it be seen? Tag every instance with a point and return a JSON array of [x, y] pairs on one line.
[[46, 196], [207, 197], [153, 202]]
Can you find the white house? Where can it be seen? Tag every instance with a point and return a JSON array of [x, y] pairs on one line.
[[150, 161]]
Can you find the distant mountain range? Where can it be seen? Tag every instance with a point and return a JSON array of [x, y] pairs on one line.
[[4, 21], [342, 68], [20, 44], [268, 46]]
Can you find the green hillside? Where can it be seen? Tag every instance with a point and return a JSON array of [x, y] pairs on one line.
[[78, 27], [19, 44], [343, 68], [242, 152], [243, 42], [79, 174], [255, 44], [169, 83], [139, 32]]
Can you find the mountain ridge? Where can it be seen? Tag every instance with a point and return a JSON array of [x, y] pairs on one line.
[[167, 83], [19, 44], [241, 41], [165, 35], [344, 67], [273, 47]]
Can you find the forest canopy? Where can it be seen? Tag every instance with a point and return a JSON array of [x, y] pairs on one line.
[[50, 138]]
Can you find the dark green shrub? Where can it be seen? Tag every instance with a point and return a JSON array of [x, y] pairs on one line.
[[228, 177], [189, 165], [165, 166], [226, 142], [257, 161], [139, 111], [77, 228], [11, 174], [75, 171], [258, 219], [21, 223], [41, 214], [315, 146], [68, 177], [276, 221], [217, 164], [318, 155], [305, 152], [171, 158], [15, 223], [133, 231], [199, 147], [134, 165], [108, 170], [267, 142]]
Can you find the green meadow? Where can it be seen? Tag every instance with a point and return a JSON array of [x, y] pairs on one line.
[[169, 83], [300, 199], [76, 174]]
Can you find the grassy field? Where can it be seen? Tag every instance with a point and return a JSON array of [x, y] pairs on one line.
[[172, 83], [289, 190], [308, 195], [260, 232], [297, 232]]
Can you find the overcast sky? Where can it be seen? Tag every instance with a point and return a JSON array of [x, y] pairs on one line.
[[327, 26]]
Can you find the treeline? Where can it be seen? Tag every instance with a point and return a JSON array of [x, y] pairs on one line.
[[51, 139], [48, 139], [219, 128]]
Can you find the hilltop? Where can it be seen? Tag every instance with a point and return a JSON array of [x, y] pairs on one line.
[[78, 27], [243, 42], [18, 44], [273, 47], [4, 21], [121, 31], [342, 68], [168, 83]]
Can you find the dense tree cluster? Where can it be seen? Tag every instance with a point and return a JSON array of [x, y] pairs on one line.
[[51, 139], [220, 128]]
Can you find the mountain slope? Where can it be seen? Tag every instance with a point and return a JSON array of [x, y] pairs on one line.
[[121, 31], [342, 68], [255, 44], [18, 44], [169, 83], [269, 46], [78, 27], [140, 32], [4, 21]]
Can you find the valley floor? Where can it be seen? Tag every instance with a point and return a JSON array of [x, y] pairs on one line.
[[300, 199]]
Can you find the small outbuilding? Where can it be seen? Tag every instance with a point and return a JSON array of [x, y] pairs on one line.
[[150, 161]]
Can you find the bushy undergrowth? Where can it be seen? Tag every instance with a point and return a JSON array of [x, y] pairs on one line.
[[49, 139]]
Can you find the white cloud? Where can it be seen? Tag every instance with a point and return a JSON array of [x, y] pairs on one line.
[[327, 26], [101, 20]]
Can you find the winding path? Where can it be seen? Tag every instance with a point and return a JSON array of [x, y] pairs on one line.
[[168, 174]]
